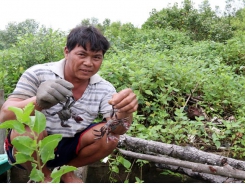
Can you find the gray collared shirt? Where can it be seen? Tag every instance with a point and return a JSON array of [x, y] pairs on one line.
[[93, 102]]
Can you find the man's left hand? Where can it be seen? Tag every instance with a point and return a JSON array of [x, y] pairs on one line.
[[125, 101]]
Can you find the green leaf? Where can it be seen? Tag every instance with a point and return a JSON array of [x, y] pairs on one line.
[[32, 121], [18, 113], [24, 144], [22, 158], [228, 132], [214, 137], [27, 112], [40, 122], [115, 169], [47, 146], [148, 92], [58, 172], [124, 162], [140, 127], [13, 124], [36, 175], [138, 180], [217, 144]]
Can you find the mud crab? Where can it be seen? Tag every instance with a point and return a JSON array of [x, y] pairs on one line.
[[111, 125], [65, 113]]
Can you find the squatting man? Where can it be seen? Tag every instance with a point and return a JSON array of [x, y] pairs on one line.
[[49, 85]]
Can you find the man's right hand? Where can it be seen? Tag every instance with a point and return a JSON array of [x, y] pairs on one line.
[[51, 92]]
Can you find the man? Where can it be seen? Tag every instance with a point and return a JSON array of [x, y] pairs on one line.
[[47, 85]]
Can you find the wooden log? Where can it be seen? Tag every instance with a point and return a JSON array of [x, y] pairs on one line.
[[188, 153], [229, 169], [225, 170]]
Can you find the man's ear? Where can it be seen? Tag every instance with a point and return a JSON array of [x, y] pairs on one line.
[[66, 51]]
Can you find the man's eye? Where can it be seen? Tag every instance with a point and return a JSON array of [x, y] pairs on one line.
[[81, 54], [97, 57]]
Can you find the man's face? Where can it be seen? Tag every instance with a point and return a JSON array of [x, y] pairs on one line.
[[81, 63]]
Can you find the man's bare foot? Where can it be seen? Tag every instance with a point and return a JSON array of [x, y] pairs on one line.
[[70, 177]]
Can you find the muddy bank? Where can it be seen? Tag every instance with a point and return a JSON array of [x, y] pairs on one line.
[[99, 173]]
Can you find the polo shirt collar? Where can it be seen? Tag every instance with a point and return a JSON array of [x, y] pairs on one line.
[[58, 68]]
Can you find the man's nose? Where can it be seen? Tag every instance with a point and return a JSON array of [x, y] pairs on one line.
[[88, 61]]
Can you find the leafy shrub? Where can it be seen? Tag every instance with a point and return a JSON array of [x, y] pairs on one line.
[[199, 25], [164, 80], [47, 45], [233, 52]]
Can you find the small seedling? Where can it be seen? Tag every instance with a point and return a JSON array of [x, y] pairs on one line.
[[27, 146]]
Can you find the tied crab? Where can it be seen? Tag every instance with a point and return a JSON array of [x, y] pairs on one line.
[[65, 113], [111, 125]]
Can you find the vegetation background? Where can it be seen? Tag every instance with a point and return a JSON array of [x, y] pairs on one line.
[[186, 66]]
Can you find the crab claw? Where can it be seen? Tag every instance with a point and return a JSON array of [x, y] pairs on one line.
[[112, 138], [99, 136], [49, 113], [77, 119], [96, 138], [64, 125]]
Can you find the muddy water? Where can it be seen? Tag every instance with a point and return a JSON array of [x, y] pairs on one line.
[[17, 175], [99, 173]]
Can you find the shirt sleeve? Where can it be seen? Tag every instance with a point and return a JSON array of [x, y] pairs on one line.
[[26, 86]]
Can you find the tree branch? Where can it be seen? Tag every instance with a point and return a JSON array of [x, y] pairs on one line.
[[189, 153], [226, 170]]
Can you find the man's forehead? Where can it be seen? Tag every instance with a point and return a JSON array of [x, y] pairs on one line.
[[88, 48]]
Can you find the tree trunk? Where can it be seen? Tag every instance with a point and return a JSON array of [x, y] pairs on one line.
[[200, 163]]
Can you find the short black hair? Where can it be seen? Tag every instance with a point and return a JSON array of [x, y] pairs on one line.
[[82, 35]]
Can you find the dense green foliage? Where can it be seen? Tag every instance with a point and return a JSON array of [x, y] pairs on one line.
[[199, 25], [179, 55], [13, 30], [46, 45]]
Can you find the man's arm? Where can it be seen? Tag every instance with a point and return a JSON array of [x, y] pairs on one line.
[[6, 114], [49, 93]]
